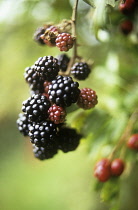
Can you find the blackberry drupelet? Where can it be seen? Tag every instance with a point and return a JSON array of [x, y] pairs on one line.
[[46, 152], [42, 133], [87, 98], [68, 139], [35, 82], [57, 114], [63, 61], [63, 91], [36, 107], [80, 70], [38, 33], [47, 67], [64, 41], [23, 124]]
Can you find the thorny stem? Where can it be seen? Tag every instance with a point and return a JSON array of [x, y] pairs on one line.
[[126, 133], [74, 18]]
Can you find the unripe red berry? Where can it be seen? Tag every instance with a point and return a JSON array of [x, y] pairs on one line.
[[133, 142], [102, 170], [127, 7], [126, 27], [117, 167]]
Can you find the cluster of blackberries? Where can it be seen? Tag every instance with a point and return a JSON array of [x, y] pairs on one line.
[[53, 36], [128, 9], [44, 112]]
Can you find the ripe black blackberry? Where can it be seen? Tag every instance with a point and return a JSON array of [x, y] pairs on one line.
[[68, 139], [63, 61], [57, 114], [63, 91], [35, 82], [46, 152], [23, 124], [80, 70], [64, 41], [47, 68], [87, 98], [36, 107], [42, 133], [38, 33]]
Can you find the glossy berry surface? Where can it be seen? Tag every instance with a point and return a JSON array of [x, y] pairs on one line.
[[126, 27], [47, 68], [56, 114], [102, 170], [36, 107], [132, 142], [41, 133], [127, 7], [46, 152], [64, 41], [80, 70], [34, 80], [23, 124], [87, 98], [117, 167], [63, 91]]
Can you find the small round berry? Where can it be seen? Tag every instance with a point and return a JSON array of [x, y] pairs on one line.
[[63, 91], [117, 167], [68, 139], [42, 133], [126, 27], [87, 98], [102, 170], [47, 68], [37, 35], [127, 7], [80, 70], [64, 41], [36, 107], [23, 124], [56, 114], [63, 61], [133, 142]]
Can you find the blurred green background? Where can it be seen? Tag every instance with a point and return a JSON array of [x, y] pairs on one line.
[[64, 182]]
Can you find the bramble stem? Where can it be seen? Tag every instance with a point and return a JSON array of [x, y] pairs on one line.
[[74, 18], [126, 133]]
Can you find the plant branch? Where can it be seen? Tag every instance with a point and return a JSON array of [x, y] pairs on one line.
[[74, 19], [126, 133]]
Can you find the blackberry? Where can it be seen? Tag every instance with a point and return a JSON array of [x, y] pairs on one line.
[[38, 33], [68, 139], [42, 133], [56, 114], [87, 98], [63, 91], [23, 124], [50, 35], [64, 41], [36, 107], [47, 67], [46, 88], [46, 152], [63, 61], [80, 70], [35, 82]]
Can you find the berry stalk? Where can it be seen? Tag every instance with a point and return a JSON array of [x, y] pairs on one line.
[[74, 19], [126, 133]]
